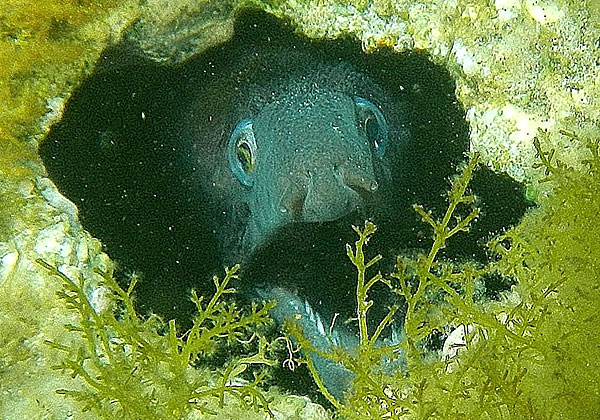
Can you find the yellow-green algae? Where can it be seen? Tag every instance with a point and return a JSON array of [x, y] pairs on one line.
[[520, 66], [533, 355], [45, 47]]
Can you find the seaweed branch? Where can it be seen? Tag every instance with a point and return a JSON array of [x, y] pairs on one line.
[[120, 357], [375, 363], [424, 267]]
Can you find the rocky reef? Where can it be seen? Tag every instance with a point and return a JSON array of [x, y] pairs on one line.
[[527, 75]]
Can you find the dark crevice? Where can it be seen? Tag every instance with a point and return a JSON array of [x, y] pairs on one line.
[[119, 154]]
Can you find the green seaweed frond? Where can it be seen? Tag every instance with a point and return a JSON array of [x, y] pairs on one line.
[[440, 297], [142, 368], [533, 353], [377, 391], [369, 352], [431, 275]]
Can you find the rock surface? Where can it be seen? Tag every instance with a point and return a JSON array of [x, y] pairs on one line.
[[520, 67]]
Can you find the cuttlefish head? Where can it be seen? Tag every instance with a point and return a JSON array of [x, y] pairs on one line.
[[309, 157]]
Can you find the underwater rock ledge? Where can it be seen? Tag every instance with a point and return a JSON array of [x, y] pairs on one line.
[[519, 66]]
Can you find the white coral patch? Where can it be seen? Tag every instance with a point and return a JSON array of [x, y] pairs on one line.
[[101, 299], [55, 108], [455, 341], [8, 261], [543, 12], [504, 137], [526, 125], [507, 9], [53, 240], [49, 191], [579, 96], [465, 58]]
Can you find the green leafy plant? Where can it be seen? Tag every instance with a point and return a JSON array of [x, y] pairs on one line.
[[531, 354], [376, 392], [141, 368]]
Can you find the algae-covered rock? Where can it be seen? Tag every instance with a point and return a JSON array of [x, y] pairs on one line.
[[175, 31], [520, 66], [45, 49]]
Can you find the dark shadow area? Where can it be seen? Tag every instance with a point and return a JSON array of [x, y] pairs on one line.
[[119, 154]]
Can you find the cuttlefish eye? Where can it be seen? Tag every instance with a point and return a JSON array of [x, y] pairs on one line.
[[371, 121], [241, 152]]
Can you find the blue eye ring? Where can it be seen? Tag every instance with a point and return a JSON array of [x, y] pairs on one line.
[[241, 152], [379, 136]]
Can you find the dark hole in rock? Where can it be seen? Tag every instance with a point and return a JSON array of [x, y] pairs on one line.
[[126, 153]]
